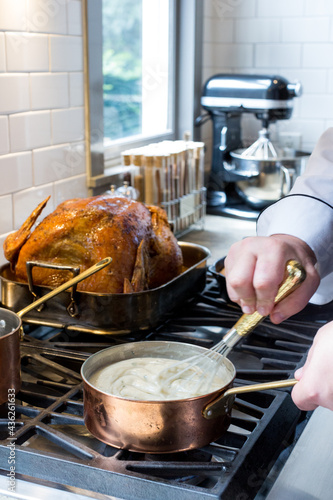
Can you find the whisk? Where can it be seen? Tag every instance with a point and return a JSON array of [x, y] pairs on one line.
[[262, 148], [206, 365]]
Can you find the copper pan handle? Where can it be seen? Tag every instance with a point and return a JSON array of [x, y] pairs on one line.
[[223, 402], [295, 274], [88, 272]]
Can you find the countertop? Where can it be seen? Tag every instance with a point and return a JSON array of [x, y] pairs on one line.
[[307, 474], [219, 233]]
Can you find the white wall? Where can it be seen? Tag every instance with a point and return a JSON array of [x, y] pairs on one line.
[[41, 107], [291, 38]]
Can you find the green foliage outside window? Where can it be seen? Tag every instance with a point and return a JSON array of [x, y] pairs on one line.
[[122, 68]]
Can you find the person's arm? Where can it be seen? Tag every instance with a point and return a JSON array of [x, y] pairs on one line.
[[255, 267], [307, 212], [315, 386], [299, 226]]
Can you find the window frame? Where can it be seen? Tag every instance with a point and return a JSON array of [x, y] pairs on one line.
[[103, 165]]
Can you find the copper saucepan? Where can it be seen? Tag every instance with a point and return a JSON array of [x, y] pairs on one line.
[[170, 426], [159, 426], [11, 332]]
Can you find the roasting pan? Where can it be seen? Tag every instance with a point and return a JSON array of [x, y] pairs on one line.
[[107, 314]]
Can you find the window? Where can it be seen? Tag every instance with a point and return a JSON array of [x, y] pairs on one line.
[[143, 75], [138, 69]]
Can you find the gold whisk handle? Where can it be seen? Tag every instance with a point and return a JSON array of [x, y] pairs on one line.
[[295, 274]]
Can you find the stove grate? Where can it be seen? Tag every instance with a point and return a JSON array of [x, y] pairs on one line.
[[52, 444]]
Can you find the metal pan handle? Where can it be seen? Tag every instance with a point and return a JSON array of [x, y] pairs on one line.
[[285, 180], [72, 307], [88, 272], [224, 402]]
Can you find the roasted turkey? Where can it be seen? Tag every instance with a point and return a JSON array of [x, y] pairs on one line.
[[81, 232]]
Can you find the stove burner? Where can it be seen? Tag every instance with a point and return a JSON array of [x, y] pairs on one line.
[[247, 361], [52, 444]]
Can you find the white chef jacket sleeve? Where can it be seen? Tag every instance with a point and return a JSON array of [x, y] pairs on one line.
[[307, 213]]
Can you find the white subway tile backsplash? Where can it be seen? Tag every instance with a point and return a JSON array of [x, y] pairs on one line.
[[66, 189], [4, 135], [13, 15], [27, 200], [27, 52], [278, 55], [16, 89], [76, 89], [208, 71], [317, 55], [74, 15], [218, 30], [49, 90], [317, 106], [312, 80], [58, 162], [282, 8], [310, 130], [30, 130], [67, 125], [2, 53], [6, 214], [257, 30], [3, 261], [330, 81], [76, 157], [306, 29], [66, 53], [228, 55], [328, 124], [15, 172], [221, 9], [318, 7], [289, 38], [42, 103], [297, 105], [47, 16]]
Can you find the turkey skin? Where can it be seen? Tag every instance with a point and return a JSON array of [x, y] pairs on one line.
[[81, 232]]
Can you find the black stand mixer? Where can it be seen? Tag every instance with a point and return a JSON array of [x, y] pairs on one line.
[[243, 181]]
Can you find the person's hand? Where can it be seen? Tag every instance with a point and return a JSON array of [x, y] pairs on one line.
[[315, 386], [255, 267]]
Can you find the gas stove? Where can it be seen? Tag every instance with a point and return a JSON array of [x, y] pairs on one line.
[[53, 447]]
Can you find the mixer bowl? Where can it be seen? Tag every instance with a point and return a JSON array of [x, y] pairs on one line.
[[264, 181]]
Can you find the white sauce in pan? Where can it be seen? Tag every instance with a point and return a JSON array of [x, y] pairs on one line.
[[158, 379]]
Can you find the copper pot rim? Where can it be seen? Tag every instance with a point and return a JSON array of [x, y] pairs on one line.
[[211, 395], [15, 329]]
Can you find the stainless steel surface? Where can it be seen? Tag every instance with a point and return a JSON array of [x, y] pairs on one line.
[[53, 293], [104, 313], [219, 233], [25, 490], [266, 179], [243, 103], [307, 474], [262, 148]]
